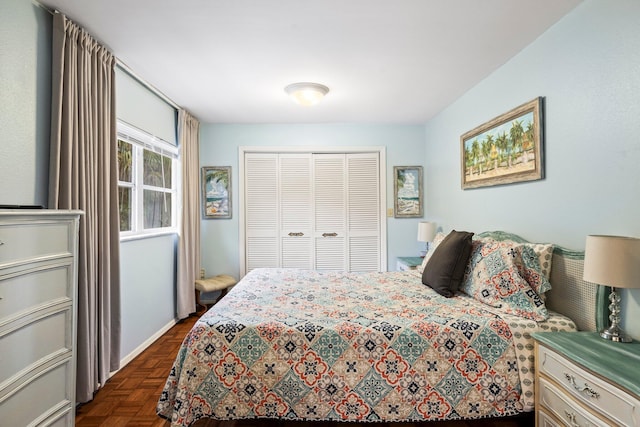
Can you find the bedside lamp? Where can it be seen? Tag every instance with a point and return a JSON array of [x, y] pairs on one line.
[[613, 261], [426, 233]]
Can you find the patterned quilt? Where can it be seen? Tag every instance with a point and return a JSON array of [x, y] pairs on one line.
[[307, 345]]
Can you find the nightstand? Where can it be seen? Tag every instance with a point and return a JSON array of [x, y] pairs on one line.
[[584, 380], [408, 263]]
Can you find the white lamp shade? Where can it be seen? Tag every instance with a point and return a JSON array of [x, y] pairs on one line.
[[612, 261], [306, 93], [426, 231]]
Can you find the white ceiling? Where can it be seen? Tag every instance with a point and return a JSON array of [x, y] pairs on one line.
[[228, 61]]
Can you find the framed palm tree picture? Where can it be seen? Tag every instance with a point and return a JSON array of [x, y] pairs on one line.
[[216, 192], [505, 150]]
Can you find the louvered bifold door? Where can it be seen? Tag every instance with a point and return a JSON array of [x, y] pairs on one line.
[[296, 214], [261, 210], [363, 215], [329, 192]]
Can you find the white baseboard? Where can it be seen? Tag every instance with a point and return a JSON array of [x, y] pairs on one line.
[[142, 347]]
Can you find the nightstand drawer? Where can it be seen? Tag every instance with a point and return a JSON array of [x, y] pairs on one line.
[[589, 389], [564, 408]]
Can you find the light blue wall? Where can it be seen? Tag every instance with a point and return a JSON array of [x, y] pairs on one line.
[[587, 67], [25, 94], [219, 147], [148, 265], [148, 298]]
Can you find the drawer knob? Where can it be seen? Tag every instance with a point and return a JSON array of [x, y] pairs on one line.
[[329, 234], [584, 390], [292, 234]]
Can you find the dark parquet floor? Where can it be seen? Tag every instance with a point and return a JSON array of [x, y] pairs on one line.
[[129, 398]]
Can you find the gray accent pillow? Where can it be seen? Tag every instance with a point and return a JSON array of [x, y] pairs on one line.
[[445, 269]]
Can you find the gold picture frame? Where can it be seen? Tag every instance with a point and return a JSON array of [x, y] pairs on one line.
[[505, 150], [407, 192]]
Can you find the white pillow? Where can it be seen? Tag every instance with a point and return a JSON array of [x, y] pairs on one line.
[[439, 237]]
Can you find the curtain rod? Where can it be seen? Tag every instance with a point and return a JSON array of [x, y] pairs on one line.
[[149, 86], [126, 68]]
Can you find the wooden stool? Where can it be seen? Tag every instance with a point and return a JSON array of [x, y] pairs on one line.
[[220, 283]]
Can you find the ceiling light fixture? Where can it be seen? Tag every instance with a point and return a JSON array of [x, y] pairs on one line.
[[306, 93]]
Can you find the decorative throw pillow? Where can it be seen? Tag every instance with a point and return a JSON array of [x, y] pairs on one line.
[[528, 262], [531, 270], [493, 277], [445, 268], [544, 251], [439, 237]]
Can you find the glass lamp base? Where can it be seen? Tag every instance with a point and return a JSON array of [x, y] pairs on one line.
[[615, 334]]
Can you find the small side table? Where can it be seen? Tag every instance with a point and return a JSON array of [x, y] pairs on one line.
[[408, 263]]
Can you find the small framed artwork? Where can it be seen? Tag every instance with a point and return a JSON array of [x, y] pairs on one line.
[[407, 191], [505, 150], [216, 192]]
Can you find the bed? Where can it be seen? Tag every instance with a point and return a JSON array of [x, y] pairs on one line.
[[375, 347]]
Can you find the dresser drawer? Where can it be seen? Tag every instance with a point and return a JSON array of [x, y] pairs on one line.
[[62, 419], [45, 395], [48, 339], [33, 288], [23, 240], [565, 408], [592, 391], [545, 420]]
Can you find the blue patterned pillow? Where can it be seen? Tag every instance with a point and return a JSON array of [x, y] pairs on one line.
[[494, 276], [544, 251], [529, 263], [531, 270]]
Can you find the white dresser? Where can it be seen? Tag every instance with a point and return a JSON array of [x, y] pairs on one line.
[[38, 278]]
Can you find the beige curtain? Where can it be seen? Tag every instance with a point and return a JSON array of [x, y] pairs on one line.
[[83, 175], [189, 239]]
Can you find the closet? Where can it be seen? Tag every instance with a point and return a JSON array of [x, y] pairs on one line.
[[312, 210]]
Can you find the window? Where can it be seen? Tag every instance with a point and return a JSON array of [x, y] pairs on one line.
[[147, 187]]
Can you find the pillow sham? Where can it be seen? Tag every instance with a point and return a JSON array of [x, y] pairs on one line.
[[446, 267], [544, 251], [530, 268], [493, 277], [438, 238]]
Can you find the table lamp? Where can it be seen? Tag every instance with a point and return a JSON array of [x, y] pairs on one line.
[[426, 233], [613, 261]]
